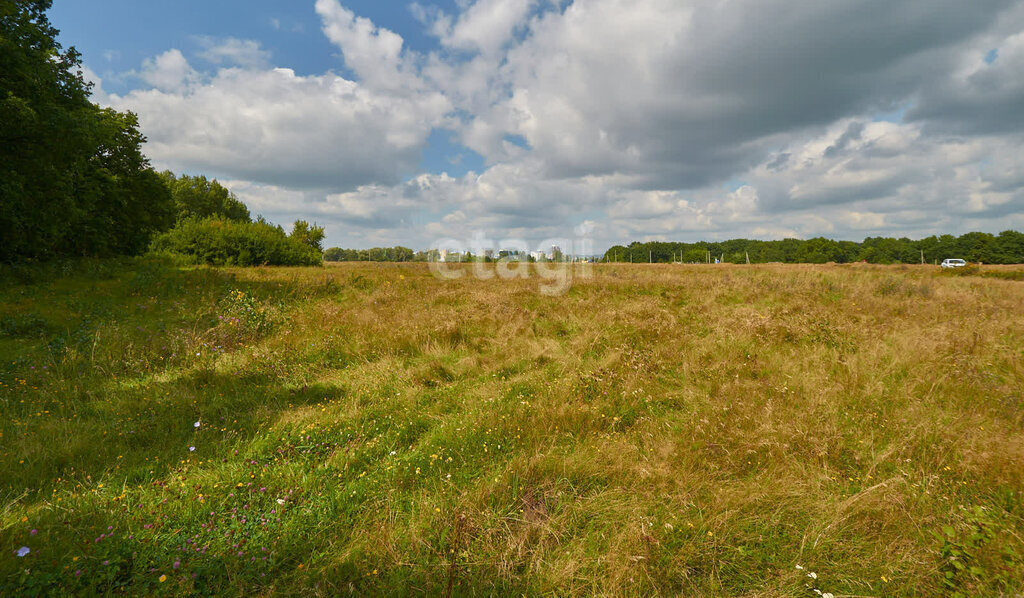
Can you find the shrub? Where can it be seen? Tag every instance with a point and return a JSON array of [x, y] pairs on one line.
[[221, 242], [243, 317], [969, 270]]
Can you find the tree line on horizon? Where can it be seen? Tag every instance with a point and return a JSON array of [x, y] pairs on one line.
[[1005, 248]]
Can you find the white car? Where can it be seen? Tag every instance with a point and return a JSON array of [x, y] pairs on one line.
[[953, 263]]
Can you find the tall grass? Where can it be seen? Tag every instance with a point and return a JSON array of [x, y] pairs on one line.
[[370, 429]]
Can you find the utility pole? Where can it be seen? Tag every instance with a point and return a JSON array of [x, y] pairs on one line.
[[650, 257]]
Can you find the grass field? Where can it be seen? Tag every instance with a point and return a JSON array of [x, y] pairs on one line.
[[369, 428]]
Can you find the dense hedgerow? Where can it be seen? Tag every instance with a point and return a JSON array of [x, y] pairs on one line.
[[235, 243]]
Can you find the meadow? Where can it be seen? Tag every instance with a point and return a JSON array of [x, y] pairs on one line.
[[767, 430]]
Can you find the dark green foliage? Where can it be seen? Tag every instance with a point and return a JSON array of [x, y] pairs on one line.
[[377, 254], [1005, 248], [312, 236], [968, 557], [230, 242], [73, 180], [198, 197], [25, 325]]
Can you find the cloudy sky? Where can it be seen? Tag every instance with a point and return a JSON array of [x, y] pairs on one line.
[[404, 123]]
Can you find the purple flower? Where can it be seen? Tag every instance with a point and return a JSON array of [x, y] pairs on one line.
[[24, 550]]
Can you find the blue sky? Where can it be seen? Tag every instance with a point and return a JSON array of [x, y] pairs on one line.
[[124, 32], [117, 35], [407, 123]]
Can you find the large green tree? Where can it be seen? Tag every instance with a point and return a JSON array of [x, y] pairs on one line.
[[199, 197], [73, 179]]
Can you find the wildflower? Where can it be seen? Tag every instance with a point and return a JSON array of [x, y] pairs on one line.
[[812, 575], [196, 425], [280, 501], [24, 550], [177, 564], [191, 449], [163, 578], [33, 532]]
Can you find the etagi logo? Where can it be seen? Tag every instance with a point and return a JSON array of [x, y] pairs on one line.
[[557, 261]]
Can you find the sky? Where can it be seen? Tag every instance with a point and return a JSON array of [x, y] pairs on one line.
[[408, 123]]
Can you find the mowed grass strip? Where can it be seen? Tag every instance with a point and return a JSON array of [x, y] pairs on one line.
[[760, 430]]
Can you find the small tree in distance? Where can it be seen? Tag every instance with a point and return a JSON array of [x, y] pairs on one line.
[[311, 235]]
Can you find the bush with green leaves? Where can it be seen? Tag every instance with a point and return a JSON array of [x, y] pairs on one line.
[[240, 309], [234, 243]]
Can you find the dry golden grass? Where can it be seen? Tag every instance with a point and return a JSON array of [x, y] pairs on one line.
[[656, 430]]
